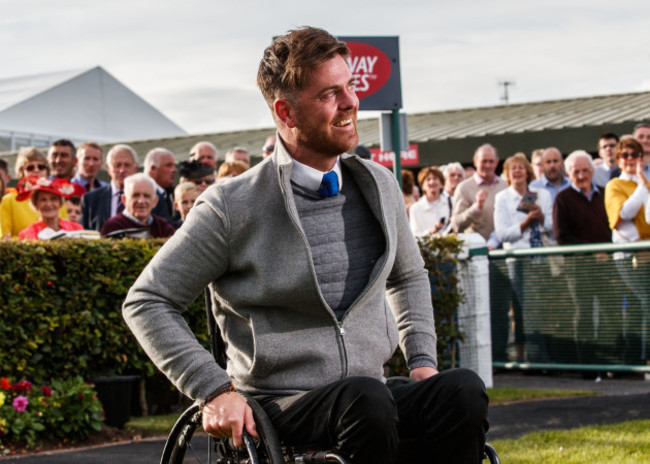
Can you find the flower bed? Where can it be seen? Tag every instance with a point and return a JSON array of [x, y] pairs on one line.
[[64, 410]]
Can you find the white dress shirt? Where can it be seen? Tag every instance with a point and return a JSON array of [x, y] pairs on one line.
[[311, 178], [507, 220], [115, 198]]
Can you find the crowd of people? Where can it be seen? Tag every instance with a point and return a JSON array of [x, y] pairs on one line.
[[151, 202], [545, 201]]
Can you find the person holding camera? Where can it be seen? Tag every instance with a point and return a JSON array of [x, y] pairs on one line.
[[431, 212], [522, 214]]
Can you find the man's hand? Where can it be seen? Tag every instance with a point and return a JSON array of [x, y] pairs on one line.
[[421, 373], [227, 415], [481, 196]]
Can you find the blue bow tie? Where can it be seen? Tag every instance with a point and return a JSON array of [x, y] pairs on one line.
[[330, 185]]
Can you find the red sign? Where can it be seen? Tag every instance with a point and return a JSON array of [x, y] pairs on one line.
[[385, 158], [370, 66]]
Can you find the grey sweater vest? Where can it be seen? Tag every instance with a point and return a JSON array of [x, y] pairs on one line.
[[346, 241]]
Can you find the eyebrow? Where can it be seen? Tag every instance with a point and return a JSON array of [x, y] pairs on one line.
[[336, 86]]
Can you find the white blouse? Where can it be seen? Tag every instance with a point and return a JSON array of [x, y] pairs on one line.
[[507, 220], [424, 215]]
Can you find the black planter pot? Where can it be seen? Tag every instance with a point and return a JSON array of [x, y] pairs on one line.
[[115, 395]]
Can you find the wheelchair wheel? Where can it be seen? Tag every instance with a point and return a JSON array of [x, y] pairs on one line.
[[491, 454], [187, 443]]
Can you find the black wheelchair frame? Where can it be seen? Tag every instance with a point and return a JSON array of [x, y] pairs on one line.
[[188, 443]]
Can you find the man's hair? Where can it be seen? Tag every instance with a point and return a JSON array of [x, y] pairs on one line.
[[449, 167], [641, 125], [519, 158], [65, 143], [194, 150], [153, 157], [94, 145], [26, 155], [230, 155], [287, 62], [130, 181], [607, 136], [549, 149], [120, 147], [628, 142], [485, 145], [570, 160], [4, 165]]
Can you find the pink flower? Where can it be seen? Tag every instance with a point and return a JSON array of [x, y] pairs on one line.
[[47, 391], [20, 403]]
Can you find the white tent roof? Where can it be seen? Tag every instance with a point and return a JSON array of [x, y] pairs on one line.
[[83, 105]]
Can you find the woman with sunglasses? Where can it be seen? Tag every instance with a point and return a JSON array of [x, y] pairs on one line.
[[625, 198], [200, 174], [16, 215]]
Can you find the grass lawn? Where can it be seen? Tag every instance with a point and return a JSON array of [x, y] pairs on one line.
[[152, 425], [504, 395], [626, 443]]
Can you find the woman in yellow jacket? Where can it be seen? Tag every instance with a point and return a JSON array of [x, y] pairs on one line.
[[625, 200], [16, 215]]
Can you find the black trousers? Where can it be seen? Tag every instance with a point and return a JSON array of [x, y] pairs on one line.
[[442, 419]]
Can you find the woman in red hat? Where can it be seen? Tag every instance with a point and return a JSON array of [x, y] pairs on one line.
[[46, 196]]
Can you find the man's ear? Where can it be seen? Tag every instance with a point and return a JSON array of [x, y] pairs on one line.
[[155, 199], [123, 198], [285, 112]]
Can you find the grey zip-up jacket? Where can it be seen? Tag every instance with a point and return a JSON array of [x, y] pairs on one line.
[[244, 238]]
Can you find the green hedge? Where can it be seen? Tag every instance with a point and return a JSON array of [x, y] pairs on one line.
[[61, 307]]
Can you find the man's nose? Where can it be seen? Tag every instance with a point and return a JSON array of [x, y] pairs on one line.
[[349, 100]]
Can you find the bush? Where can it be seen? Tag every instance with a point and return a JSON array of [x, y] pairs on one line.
[[440, 259], [66, 410], [61, 308]]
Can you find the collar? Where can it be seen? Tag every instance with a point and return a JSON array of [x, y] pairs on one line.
[[626, 176], [136, 220], [512, 193], [594, 189], [548, 183], [480, 181], [311, 178], [114, 189]]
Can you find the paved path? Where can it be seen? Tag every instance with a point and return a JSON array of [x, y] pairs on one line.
[[619, 400], [518, 419]]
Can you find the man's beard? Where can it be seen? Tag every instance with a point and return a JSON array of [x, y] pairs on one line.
[[323, 142]]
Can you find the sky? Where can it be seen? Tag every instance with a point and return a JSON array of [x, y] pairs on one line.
[[196, 60]]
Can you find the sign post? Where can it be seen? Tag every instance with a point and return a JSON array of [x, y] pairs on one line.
[[397, 147], [374, 62]]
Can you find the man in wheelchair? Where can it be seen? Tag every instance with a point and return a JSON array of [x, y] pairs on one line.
[[316, 278]]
